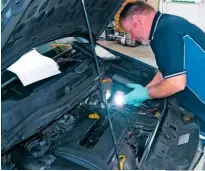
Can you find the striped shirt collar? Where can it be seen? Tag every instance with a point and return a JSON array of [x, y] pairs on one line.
[[155, 24]]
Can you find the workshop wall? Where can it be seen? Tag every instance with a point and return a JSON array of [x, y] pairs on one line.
[[192, 10]]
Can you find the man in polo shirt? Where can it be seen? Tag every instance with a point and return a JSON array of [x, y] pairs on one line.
[[179, 49]]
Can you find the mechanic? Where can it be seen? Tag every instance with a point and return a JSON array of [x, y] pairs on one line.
[[179, 49]]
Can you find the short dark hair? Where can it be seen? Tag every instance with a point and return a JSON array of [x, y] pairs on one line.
[[138, 7]]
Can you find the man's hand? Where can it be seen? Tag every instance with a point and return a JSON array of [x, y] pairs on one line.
[[164, 88], [137, 96]]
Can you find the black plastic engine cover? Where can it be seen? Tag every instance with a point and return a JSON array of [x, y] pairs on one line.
[[102, 154]]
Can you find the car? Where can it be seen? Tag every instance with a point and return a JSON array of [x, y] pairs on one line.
[[67, 121]]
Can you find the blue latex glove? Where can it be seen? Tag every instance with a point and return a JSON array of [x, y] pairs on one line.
[[137, 96]]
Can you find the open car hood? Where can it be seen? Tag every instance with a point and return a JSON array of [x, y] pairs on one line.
[[25, 23]]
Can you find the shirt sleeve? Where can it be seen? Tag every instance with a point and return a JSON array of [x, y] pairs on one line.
[[170, 54]]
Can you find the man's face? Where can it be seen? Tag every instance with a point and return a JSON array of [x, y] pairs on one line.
[[134, 26]]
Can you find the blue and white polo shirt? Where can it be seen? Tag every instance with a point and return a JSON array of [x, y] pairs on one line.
[[179, 48]]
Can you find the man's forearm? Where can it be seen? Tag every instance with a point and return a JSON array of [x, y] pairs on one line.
[[157, 78], [167, 87]]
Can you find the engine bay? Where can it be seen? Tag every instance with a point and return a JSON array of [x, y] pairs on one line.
[[78, 136], [86, 127]]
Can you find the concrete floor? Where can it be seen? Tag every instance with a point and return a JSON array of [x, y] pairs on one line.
[[141, 52]]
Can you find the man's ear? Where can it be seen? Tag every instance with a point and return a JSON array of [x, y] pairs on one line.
[[136, 19]]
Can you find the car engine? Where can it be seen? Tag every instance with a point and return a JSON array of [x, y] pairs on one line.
[[85, 131], [79, 136]]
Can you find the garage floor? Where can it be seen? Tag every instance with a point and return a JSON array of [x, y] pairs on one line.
[[142, 53]]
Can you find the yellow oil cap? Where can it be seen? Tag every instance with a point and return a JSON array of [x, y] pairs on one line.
[[186, 118], [105, 80], [94, 116], [157, 114]]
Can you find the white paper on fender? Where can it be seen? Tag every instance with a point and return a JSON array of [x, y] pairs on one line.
[[33, 67]]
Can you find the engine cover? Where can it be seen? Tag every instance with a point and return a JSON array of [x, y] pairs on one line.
[[91, 142], [88, 146]]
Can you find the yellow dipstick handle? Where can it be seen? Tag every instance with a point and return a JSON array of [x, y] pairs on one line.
[[122, 160]]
